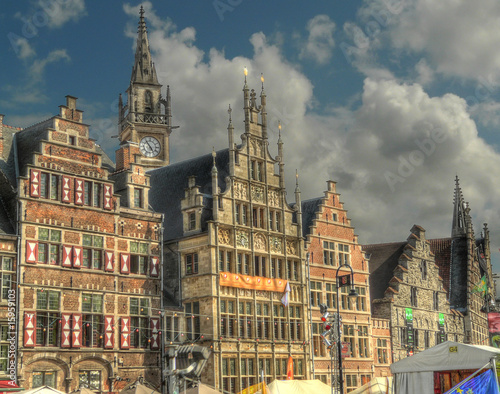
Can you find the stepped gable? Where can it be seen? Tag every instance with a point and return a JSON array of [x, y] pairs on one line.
[[309, 210], [441, 247], [384, 258], [170, 182]]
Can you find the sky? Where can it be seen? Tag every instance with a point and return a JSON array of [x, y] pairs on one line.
[[392, 99]]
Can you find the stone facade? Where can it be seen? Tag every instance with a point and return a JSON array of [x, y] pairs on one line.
[[89, 266], [330, 242], [414, 299]]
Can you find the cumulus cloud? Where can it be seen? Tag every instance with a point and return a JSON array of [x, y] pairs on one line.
[[23, 48], [394, 157], [320, 43], [38, 66], [459, 37], [60, 12]]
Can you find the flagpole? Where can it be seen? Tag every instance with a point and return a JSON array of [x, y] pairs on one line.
[[469, 378]]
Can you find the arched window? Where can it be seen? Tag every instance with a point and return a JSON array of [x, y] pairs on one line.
[[148, 101]]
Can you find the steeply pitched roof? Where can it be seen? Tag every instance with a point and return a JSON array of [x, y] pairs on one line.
[[383, 260], [309, 210], [169, 183]]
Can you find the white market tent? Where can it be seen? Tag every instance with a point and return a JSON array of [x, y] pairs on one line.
[[298, 387], [414, 375], [375, 386], [42, 390]]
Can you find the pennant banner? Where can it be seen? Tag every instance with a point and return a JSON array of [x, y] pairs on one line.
[[481, 286], [252, 282], [484, 383]]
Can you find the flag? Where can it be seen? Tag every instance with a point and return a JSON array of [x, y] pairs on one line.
[[484, 383], [481, 286], [286, 297], [289, 369]]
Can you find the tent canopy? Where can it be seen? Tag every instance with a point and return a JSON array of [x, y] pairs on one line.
[[42, 390], [298, 387], [446, 356], [375, 386]]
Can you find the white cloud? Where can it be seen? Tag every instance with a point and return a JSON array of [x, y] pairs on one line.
[[23, 48], [356, 148], [320, 43], [459, 37], [38, 66], [60, 12], [425, 74]]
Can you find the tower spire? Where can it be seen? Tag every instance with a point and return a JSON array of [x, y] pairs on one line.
[[459, 226], [144, 68]]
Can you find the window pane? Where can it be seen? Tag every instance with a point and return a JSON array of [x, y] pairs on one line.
[[41, 299], [98, 241], [134, 306], [55, 236], [87, 240], [43, 234], [7, 264]]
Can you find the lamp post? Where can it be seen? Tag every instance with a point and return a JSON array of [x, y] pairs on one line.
[[344, 281]]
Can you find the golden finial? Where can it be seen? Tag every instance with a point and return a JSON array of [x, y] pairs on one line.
[[262, 80]]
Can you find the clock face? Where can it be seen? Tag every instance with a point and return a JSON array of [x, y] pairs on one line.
[[150, 147]]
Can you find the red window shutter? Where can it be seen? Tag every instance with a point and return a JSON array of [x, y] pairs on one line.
[[155, 332], [29, 329], [76, 337], [66, 189], [155, 266], [125, 333], [108, 197], [79, 191], [31, 251], [77, 257], [67, 256], [35, 183], [109, 261], [66, 330], [109, 332], [125, 263]]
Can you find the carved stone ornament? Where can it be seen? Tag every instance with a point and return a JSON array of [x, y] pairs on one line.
[[259, 242], [257, 147], [257, 194], [273, 198], [276, 245], [240, 191], [242, 239], [224, 236], [291, 247]]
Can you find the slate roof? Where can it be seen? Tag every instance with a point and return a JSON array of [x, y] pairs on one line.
[[309, 210], [169, 183], [383, 260]]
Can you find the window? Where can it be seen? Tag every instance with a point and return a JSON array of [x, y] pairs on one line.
[[241, 214], [260, 266], [44, 378], [361, 298], [172, 327], [331, 295], [92, 320], [193, 320], [274, 220], [413, 296], [427, 339], [346, 301], [298, 368], [72, 140], [228, 318], [435, 300], [257, 170], [87, 193], [423, 269], [277, 268], [280, 325], [90, 379], [281, 366], [295, 327], [6, 276], [316, 288], [139, 312], [263, 320], [245, 319], [139, 252], [97, 194], [351, 382], [92, 253], [382, 351], [403, 339], [258, 218], [225, 260], [229, 375], [4, 348], [248, 372], [343, 254], [318, 345], [49, 246], [363, 342], [191, 263], [348, 332], [47, 327], [328, 253], [293, 270], [265, 366], [138, 198]]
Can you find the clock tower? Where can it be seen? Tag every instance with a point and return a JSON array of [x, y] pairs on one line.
[[145, 120]]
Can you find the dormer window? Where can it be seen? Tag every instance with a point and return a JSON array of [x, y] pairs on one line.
[[192, 221], [72, 140], [138, 198]]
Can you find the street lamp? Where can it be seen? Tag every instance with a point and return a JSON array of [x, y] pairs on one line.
[[344, 280]]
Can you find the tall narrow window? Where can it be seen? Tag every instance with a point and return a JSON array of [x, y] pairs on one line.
[[138, 198], [47, 317], [93, 320], [191, 263], [139, 312], [328, 253]]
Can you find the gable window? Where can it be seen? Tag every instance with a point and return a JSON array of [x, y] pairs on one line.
[[191, 263], [413, 296], [93, 320], [343, 254], [423, 268], [192, 220], [436, 300], [139, 258], [47, 327], [92, 251], [49, 246], [138, 198], [328, 253]]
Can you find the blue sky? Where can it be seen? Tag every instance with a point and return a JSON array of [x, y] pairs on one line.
[[390, 98]]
